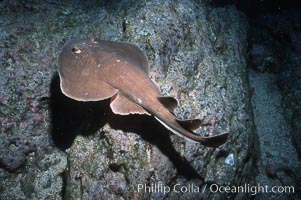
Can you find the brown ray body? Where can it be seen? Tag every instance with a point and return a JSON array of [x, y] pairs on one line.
[[96, 70]]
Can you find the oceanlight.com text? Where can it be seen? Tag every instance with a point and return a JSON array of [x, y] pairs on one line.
[[251, 189]]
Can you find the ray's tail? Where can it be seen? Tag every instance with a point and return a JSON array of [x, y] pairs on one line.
[[184, 129]]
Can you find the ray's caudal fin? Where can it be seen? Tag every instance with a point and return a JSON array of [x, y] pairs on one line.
[[92, 70]]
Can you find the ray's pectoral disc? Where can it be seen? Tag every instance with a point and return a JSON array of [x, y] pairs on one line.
[[79, 77], [93, 70]]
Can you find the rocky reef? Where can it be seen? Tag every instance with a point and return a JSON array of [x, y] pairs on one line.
[[52, 147]]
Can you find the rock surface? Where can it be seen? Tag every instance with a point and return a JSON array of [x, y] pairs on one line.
[[55, 148], [275, 80]]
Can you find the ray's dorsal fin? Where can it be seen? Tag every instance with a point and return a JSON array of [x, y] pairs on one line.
[[191, 124], [123, 106], [169, 102]]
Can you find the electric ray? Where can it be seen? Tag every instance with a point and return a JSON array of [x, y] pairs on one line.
[[93, 70]]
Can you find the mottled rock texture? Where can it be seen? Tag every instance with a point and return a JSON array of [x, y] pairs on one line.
[[275, 79], [53, 147]]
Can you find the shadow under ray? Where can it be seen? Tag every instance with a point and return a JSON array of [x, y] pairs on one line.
[[156, 134], [70, 118]]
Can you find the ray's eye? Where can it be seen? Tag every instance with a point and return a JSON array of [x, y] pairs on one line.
[[76, 50]]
